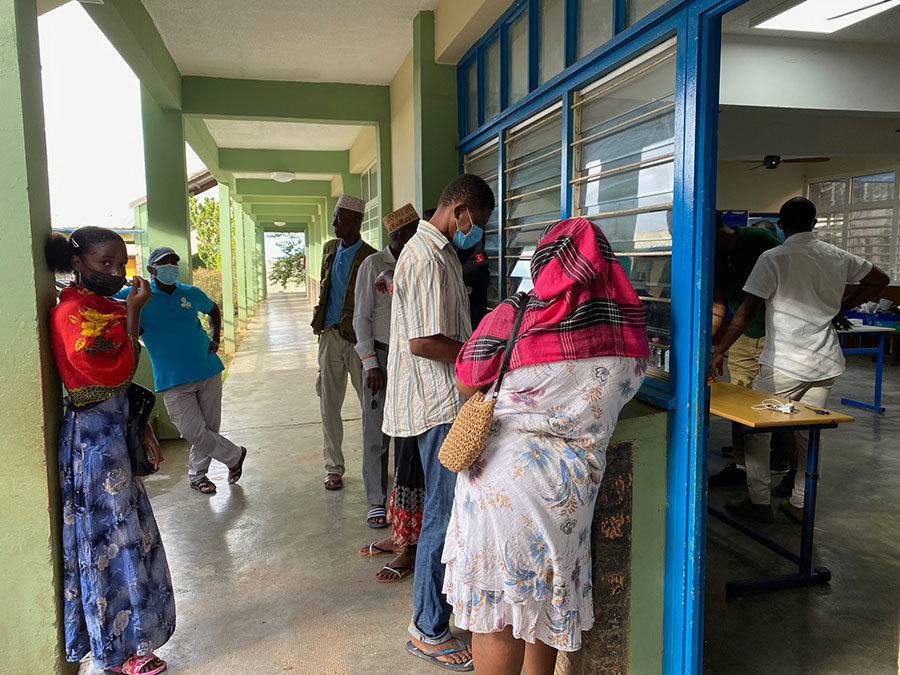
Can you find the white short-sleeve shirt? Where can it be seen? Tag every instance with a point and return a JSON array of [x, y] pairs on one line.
[[803, 284]]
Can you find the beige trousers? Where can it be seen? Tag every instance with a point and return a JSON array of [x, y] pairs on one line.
[[337, 360], [743, 367], [756, 446]]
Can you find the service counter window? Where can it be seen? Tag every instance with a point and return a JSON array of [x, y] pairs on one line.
[[623, 152], [532, 199], [483, 161]]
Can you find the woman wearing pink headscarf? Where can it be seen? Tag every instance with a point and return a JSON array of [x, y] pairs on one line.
[[518, 546]]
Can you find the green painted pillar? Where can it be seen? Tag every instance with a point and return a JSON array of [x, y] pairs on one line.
[[249, 264], [351, 184], [168, 222], [261, 261], [30, 398], [435, 117], [227, 267], [240, 264]]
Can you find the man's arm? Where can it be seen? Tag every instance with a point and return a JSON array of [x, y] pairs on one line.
[[215, 320], [363, 321], [742, 319], [719, 310], [436, 347]]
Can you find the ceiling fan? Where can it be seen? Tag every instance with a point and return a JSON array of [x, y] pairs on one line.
[[774, 161], [859, 9]]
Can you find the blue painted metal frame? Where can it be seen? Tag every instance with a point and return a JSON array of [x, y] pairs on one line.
[[879, 366], [697, 24], [619, 14]]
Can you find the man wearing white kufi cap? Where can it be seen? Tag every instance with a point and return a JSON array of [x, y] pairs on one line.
[[333, 323], [372, 323]]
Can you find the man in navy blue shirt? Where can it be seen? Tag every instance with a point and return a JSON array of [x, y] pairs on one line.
[[186, 369]]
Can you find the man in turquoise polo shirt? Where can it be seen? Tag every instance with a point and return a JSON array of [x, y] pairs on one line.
[[186, 369]]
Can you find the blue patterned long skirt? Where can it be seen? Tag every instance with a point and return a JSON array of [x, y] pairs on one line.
[[118, 592]]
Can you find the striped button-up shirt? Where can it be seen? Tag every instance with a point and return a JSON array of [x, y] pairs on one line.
[[429, 299]]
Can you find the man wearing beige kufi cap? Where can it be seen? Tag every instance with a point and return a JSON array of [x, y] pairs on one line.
[[372, 324], [333, 323]]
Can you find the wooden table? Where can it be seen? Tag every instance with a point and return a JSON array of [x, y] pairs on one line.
[[879, 332], [736, 404]]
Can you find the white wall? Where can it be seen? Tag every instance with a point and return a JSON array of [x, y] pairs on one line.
[[823, 74]]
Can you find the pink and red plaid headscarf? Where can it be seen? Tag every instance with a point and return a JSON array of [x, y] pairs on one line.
[[582, 306]]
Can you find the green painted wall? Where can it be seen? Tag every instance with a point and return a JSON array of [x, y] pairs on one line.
[[168, 222], [261, 259], [434, 115], [30, 398], [227, 258], [646, 427]]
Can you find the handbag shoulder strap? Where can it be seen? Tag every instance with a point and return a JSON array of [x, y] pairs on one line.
[[510, 343]]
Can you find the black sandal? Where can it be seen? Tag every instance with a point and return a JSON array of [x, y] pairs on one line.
[[234, 473], [204, 485]]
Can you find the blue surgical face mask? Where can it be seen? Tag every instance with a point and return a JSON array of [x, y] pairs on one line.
[[167, 274], [463, 241]]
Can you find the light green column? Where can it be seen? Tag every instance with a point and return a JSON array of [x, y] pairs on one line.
[[249, 266], [241, 264], [435, 118], [261, 261], [168, 222], [30, 397], [227, 267]]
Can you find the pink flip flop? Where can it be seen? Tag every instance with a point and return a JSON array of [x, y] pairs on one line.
[[133, 665]]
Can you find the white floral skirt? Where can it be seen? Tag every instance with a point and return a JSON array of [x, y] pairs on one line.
[[518, 545]]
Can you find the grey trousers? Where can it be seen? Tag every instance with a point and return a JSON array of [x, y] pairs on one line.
[[337, 360], [196, 411], [756, 446], [376, 444]]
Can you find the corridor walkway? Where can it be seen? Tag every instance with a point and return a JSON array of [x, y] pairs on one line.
[[267, 574]]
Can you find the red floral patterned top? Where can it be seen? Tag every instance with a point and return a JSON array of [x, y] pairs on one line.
[[95, 356]]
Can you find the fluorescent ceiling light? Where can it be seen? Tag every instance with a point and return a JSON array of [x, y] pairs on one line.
[[279, 223], [822, 16], [288, 176]]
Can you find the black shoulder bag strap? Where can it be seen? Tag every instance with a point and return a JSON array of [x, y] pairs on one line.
[[510, 343]]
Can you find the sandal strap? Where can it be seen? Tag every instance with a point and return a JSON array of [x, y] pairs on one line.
[[376, 512], [134, 665]]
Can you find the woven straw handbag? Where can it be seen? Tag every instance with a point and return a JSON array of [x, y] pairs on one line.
[[465, 441]]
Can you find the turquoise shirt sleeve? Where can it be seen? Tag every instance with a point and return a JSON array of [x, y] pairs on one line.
[[200, 300]]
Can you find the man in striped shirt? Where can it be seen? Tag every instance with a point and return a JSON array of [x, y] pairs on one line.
[[429, 323]]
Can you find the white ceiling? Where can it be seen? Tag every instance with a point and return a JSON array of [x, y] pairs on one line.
[[357, 41], [297, 176], [255, 135], [883, 28]]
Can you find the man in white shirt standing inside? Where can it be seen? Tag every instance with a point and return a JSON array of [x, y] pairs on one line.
[[372, 325], [802, 284]]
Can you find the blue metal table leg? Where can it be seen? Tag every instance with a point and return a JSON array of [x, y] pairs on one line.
[[807, 575], [879, 367]]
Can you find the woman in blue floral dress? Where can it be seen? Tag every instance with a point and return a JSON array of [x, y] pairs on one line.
[[518, 550], [118, 598]]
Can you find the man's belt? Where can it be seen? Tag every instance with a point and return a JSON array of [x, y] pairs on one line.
[[380, 345]]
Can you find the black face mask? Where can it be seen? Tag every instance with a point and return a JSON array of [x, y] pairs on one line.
[[102, 283]]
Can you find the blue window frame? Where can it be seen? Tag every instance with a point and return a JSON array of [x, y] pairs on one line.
[[696, 26]]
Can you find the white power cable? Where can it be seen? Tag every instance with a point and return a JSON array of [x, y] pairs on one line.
[[776, 406]]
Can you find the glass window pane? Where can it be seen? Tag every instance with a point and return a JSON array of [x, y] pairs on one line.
[[635, 10], [551, 29], [472, 93], [364, 185], [623, 154], [828, 193], [595, 24], [483, 162], [518, 58], [492, 80], [373, 182], [532, 170], [873, 188], [830, 228], [869, 236]]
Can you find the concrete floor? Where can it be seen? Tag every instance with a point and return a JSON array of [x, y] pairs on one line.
[[852, 624], [268, 579], [267, 573]]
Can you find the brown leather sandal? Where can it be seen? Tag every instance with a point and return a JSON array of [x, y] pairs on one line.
[[333, 481]]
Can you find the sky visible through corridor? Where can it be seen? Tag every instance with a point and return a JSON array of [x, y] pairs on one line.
[[92, 112]]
